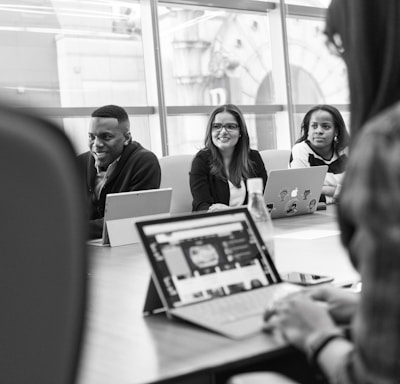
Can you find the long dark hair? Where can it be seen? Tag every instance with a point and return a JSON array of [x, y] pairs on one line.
[[342, 135], [240, 166], [367, 34]]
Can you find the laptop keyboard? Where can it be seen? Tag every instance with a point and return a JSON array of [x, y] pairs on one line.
[[239, 306]]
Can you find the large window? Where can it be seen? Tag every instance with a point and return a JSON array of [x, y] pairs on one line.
[[309, 3], [170, 63], [73, 55], [212, 57], [317, 77]]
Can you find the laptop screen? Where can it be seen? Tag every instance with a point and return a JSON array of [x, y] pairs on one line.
[[203, 256]]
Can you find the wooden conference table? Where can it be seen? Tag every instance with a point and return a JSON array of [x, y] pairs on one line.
[[123, 347]]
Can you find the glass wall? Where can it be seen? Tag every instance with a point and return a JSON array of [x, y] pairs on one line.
[[170, 63], [310, 3], [212, 57], [317, 76], [72, 53], [70, 57]]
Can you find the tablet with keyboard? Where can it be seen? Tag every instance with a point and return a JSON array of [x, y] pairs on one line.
[[213, 269]]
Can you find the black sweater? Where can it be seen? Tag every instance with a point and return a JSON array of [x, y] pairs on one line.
[[137, 169]]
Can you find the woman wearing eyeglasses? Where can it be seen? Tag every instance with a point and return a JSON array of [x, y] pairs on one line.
[[220, 170]]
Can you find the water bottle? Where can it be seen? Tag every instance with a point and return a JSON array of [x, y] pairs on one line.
[[259, 212]]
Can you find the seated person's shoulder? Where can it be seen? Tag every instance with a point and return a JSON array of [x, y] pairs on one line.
[[83, 155], [254, 153], [255, 156], [201, 161], [83, 158], [299, 155], [203, 155], [301, 147], [138, 150]]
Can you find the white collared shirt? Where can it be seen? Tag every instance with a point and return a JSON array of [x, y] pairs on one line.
[[237, 195]]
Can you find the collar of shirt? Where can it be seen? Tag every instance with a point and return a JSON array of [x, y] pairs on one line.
[[103, 176], [109, 169]]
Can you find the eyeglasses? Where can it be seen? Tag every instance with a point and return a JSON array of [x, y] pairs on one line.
[[230, 127]]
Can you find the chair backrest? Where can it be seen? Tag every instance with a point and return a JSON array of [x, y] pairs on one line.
[[275, 158], [175, 174], [42, 253]]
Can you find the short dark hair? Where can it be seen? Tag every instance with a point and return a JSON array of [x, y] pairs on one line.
[[115, 112], [343, 137]]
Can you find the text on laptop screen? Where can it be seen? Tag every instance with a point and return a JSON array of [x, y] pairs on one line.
[[201, 258]]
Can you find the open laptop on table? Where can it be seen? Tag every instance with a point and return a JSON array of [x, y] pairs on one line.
[[212, 269], [123, 209], [294, 191]]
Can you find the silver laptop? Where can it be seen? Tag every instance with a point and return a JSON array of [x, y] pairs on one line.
[[294, 191], [123, 209], [213, 270]]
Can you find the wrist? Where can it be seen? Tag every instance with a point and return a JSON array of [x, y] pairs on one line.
[[337, 191], [319, 340]]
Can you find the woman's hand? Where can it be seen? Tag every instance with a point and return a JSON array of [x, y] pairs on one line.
[[341, 304], [217, 207], [298, 318]]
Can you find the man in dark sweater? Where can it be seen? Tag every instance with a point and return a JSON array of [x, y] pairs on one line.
[[114, 163]]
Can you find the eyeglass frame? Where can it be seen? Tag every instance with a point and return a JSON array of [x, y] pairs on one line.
[[233, 128]]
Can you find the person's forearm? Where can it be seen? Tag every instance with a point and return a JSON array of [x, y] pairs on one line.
[[333, 357], [328, 190]]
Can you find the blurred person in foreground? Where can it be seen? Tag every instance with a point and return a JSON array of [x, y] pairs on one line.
[[114, 163], [367, 35]]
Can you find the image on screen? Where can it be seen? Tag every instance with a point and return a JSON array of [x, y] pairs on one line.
[[203, 258]]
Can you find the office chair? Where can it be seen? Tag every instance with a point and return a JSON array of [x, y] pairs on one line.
[[42, 253], [275, 158], [175, 174]]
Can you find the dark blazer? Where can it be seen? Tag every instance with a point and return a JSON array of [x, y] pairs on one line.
[[208, 189], [137, 169]]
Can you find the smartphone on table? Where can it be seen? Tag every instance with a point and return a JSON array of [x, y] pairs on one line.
[[305, 278]]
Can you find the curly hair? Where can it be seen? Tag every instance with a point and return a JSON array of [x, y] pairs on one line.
[[343, 137]]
